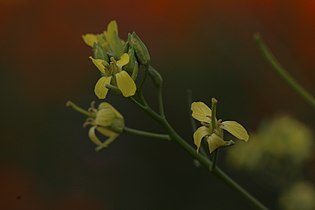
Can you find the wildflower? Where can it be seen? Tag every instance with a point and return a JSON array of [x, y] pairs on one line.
[[107, 121], [109, 41], [214, 135], [121, 78]]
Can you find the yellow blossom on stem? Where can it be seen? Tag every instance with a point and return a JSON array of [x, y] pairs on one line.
[[214, 134], [108, 40], [113, 73], [107, 121]]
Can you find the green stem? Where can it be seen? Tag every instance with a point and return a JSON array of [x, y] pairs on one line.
[[78, 109], [203, 160], [147, 109], [143, 100], [213, 113], [213, 126], [143, 78], [282, 72], [209, 165], [135, 101], [160, 100], [113, 88], [231, 183], [146, 134]]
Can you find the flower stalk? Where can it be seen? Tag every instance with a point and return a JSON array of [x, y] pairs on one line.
[[119, 63], [276, 66]]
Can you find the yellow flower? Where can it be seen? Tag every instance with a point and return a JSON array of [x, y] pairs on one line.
[[107, 121], [112, 73], [213, 136], [108, 40]]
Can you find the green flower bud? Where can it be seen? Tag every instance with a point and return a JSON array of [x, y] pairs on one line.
[[132, 59], [156, 76], [141, 50], [99, 52], [135, 71]]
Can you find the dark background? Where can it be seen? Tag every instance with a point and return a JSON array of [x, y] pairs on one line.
[[47, 160]]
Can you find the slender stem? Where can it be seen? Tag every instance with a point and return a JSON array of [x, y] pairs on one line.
[[213, 126], [114, 88], [160, 100], [213, 113], [144, 77], [144, 107], [203, 160], [209, 165], [78, 109], [215, 158], [143, 100], [146, 134], [148, 110], [230, 182], [282, 72]]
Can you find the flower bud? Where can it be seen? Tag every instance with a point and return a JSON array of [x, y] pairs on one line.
[[99, 52], [132, 59], [141, 50], [155, 76]]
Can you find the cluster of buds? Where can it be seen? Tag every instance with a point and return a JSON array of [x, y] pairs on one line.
[[117, 60]]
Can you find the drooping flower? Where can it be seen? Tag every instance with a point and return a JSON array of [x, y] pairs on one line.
[[112, 73], [214, 135], [107, 121]]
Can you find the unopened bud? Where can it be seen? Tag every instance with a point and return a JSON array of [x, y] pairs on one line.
[[141, 50], [99, 52], [156, 76]]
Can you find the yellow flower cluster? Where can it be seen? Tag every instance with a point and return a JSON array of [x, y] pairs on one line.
[[117, 60]]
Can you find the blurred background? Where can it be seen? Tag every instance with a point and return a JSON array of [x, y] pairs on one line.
[[47, 160]]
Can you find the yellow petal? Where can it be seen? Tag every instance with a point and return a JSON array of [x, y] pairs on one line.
[[235, 129], [214, 142], [100, 89], [112, 136], [199, 134], [99, 63], [90, 39], [112, 27], [201, 112], [124, 59], [106, 105], [106, 132], [93, 136], [105, 117], [115, 43], [125, 84]]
